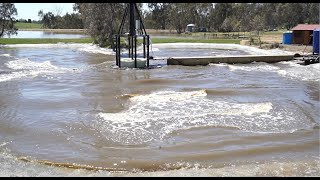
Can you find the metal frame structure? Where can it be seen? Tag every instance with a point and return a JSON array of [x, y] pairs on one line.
[[134, 32]]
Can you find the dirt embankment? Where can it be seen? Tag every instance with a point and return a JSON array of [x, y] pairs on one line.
[[275, 41]]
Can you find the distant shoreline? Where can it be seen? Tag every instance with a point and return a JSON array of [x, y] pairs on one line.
[[82, 31], [150, 31]]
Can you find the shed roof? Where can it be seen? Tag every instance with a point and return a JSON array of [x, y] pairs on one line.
[[305, 27]]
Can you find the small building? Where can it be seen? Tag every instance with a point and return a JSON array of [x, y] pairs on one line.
[[191, 28], [302, 33]]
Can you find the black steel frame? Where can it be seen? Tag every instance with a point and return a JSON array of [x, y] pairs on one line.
[[132, 36]]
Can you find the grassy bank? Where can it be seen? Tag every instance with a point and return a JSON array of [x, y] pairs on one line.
[[182, 40], [90, 40], [23, 25], [43, 41]]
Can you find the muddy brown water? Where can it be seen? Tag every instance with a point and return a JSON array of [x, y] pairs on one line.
[[67, 106]]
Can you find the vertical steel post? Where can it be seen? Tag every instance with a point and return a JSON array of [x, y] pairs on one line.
[[144, 47], [129, 47], [135, 51], [132, 37], [132, 20], [148, 42], [116, 49]]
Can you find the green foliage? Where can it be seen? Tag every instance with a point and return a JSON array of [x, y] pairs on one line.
[[7, 13], [101, 20], [68, 21], [226, 17]]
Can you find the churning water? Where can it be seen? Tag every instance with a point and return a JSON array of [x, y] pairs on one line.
[[65, 110]]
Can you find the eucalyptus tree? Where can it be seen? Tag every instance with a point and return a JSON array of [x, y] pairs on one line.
[[220, 12], [290, 14], [311, 13], [48, 20], [203, 12], [101, 20], [7, 20], [269, 15], [182, 14], [177, 18]]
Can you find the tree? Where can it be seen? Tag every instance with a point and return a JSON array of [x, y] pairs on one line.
[[291, 14], [101, 20], [220, 13], [227, 25], [177, 15], [159, 14], [182, 14], [257, 24], [7, 20], [203, 11], [48, 20]]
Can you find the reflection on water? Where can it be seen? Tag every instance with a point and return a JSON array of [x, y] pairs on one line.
[[44, 34], [68, 105]]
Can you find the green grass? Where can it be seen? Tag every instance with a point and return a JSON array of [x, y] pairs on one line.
[[22, 25], [273, 33], [176, 40], [90, 40], [43, 41]]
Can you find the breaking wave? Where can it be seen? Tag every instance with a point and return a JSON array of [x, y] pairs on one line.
[[155, 116], [28, 68]]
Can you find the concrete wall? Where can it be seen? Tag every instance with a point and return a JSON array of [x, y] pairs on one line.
[[194, 61]]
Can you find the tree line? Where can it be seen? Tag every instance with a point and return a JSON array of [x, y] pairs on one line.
[[102, 20], [227, 17], [68, 21]]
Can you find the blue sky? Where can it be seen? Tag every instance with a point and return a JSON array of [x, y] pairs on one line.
[[30, 10]]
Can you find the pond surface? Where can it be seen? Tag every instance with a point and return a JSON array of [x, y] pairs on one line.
[[44, 34], [68, 104]]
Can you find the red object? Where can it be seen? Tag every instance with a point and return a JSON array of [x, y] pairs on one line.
[[305, 27]]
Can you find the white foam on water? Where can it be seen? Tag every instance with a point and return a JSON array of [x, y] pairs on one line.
[[6, 55], [96, 49], [299, 72], [262, 67], [28, 68], [86, 47], [156, 115], [292, 70], [92, 48]]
